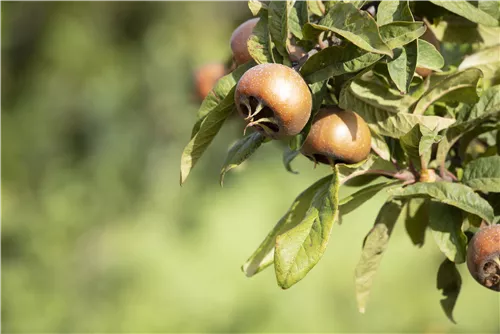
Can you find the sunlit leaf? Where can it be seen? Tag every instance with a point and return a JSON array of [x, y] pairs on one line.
[[467, 10], [483, 174]]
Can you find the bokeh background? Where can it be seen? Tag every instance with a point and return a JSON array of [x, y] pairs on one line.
[[97, 234]]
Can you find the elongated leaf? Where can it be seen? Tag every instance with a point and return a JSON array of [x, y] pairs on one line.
[[353, 201], [483, 174], [449, 280], [397, 34], [354, 25], [390, 11], [418, 142], [337, 60], [278, 26], [298, 17], [445, 223], [208, 129], [288, 156], [492, 8], [379, 146], [316, 7], [416, 217], [487, 60], [259, 44], [467, 10], [264, 255], [488, 106], [428, 56], [402, 67], [256, 6], [389, 123], [374, 248], [218, 94], [240, 151], [299, 249], [454, 194], [465, 81]]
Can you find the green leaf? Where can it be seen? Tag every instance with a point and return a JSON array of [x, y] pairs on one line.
[[240, 151], [416, 217], [298, 17], [385, 121], [402, 66], [487, 60], [492, 8], [256, 6], [264, 255], [379, 146], [465, 81], [335, 61], [483, 174], [374, 247], [390, 11], [488, 106], [418, 143], [454, 194], [259, 44], [428, 56], [218, 94], [299, 249], [354, 25], [467, 10], [278, 26], [316, 7], [397, 34], [288, 156], [353, 201], [208, 129], [449, 280], [445, 223]]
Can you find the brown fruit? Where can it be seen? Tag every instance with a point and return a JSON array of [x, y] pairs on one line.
[[206, 77], [428, 36], [483, 257], [274, 99], [337, 135], [239, 40]]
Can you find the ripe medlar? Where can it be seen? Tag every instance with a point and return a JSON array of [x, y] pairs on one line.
[[205, 78], [337, 135], [483, 257], [239, 40], [274, 99]]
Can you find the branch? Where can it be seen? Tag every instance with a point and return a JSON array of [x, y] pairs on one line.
[[402, 175]]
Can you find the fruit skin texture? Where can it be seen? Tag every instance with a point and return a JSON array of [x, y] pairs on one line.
[[483, 257], [206, 77], [239, 40], [428, 36], [338, 135], [282, 92]]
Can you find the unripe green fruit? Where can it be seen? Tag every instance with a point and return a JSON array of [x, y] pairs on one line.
[[337, 135], [274, 99], [483, 257], [239, 40]]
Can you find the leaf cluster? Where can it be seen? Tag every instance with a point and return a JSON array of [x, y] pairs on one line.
[[435, 138]]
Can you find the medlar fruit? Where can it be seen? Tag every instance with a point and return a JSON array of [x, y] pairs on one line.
[[274, 99], [205, 78], [239, 40], [337, 135], [483, 257]]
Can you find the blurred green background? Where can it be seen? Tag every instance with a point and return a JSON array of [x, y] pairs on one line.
[[97, 234]]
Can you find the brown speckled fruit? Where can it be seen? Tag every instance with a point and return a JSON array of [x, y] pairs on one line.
[[428, 36], [206, 77], [483, 257], [274, 99], [239, 40], [337, 135]]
